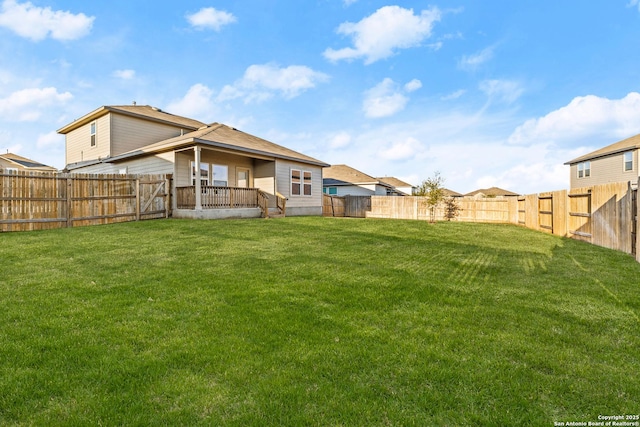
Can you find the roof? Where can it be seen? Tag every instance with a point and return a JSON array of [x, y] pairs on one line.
[[395, 182], [221, 136], [26, 163], [492, 192], [450, 193], [146, 112], [617, 147], [346, 175]]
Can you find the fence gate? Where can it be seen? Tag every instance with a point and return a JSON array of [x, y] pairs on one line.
[[357, 206], [153, 197], [580, 214], [521, 210], [545, 212]]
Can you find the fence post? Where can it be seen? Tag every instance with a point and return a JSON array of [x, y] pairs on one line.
[[69, 202], [137, 199]]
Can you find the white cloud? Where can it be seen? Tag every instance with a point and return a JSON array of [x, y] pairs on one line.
[[454, 95], [413, 85], [471, 62], [210, 18], [124, 74], [584, 117], [36, 23], [197, 103], [408, 148], [29, 104], [634, 3], [349, 2], [387, 98], [51, 139], [502, 90], [261, 82], [340, 140], [388, 29]]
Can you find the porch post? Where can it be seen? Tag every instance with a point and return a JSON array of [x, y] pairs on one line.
[[196, 150]]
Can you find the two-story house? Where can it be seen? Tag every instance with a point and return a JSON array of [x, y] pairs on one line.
[[617, 162], [214, 166]]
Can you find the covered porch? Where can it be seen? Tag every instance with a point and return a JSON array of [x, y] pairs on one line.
[[220, 184]]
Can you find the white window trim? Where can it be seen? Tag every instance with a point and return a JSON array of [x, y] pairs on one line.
[[584, 170], [93, 133], [624, 161], [299, 183]]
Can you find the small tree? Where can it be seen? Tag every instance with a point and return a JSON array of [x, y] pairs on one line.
[[451, 208], [431, 189]]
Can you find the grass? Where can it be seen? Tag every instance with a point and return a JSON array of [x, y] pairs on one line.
[[314, 321]]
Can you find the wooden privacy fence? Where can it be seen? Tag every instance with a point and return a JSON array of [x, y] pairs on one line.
[[351, 206], [604, 215], [40, 201]]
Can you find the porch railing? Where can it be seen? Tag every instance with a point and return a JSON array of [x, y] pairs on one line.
[[215, 197]]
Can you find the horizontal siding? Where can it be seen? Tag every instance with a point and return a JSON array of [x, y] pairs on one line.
[[354, 190], [78, 142], [606, 170], [233, 162], [131, 133], [158, 164], [283, 184]]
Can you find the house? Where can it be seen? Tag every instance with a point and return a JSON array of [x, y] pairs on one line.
[[218, 171], [617, 162], [491, 192], [402, 187], [14, 163], [450, 193], [342, 180]]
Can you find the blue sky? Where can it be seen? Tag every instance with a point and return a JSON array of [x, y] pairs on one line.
[[488, 93]]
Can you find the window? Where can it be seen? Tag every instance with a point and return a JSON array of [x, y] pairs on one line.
[[295, 182], [584, 170], [332, 191], [92, 132], [307, 183], [220, 175], [300, 183], [628, 161], [204, 173]]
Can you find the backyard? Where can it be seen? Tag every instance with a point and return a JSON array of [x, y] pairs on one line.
[[315, 321]]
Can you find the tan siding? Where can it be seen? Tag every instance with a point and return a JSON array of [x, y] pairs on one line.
[[283, 184], [182, 174], [263, 176], [605, 170], [158, 164], [130, 133], [78, 141], [229, 160]]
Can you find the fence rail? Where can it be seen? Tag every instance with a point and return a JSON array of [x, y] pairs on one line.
[[37, 201]]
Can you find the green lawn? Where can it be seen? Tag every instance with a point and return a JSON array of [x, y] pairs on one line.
[[314, 321]]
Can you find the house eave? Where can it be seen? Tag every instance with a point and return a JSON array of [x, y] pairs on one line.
[[192, 142], [104, 110], [589, 157]]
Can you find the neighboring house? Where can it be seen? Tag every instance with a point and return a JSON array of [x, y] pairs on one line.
[[617, 162], [343, 180], [216, 169], [450, 193], [491, 192], [12, 162], [402, 187]]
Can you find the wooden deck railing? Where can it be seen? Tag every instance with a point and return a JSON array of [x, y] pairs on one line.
[[214, 197]]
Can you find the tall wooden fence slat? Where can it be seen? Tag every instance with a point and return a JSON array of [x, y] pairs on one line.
[[37, 201]]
